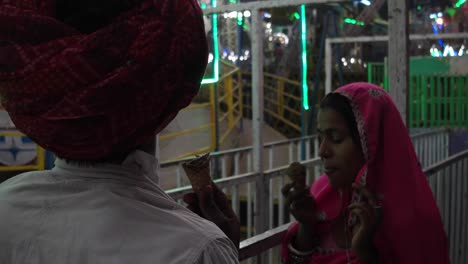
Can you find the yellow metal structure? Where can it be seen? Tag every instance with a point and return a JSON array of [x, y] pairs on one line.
[[40, 158], [282, 104], [224, 99]]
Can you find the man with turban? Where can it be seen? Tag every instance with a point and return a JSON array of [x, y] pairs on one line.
[[94, 81]]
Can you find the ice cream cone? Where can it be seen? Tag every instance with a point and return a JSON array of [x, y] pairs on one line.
[[198, 172]]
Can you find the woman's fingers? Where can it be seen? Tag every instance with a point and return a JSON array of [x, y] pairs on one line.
[[368, 195]]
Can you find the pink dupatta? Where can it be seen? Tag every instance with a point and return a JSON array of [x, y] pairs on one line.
[[411, 230]]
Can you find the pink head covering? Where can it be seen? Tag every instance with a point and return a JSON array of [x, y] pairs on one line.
[[411, 230], [88, 95]]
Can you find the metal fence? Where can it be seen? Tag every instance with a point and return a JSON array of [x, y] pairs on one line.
[[449, 183], [282, 103], [438, 100], [240, 183], [435, 100]]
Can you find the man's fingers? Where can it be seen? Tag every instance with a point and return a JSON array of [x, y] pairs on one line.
[[190, 198], [223, 203], [195, 209], [208, 205]]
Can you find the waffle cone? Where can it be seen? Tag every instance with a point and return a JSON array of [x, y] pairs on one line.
[[198, 172]]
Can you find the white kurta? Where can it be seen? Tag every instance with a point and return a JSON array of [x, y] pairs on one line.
[[111, 214]]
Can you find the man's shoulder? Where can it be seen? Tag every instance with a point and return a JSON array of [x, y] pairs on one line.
[[25, 177]]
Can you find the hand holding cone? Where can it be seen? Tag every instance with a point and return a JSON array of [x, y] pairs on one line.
[[198, 172]]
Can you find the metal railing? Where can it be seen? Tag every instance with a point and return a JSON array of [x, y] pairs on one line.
[[282, 103], [240, 186], [435, 100], [438, 100], [431, 146], [449, 183]]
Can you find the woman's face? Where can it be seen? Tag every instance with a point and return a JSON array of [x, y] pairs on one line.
[[342, 158]]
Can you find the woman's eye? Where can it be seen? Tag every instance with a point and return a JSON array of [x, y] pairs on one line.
[[336, 139]]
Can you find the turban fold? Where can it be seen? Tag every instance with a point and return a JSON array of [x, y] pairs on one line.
[[85, 93]]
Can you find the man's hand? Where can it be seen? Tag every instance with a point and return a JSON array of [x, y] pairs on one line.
[[212, 204]]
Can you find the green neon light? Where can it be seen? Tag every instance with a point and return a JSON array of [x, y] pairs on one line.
[[419, 7], [296, 16], [353, 21], [203, 6], [459, 3], [240, 18], [305, 87], [215, 76]]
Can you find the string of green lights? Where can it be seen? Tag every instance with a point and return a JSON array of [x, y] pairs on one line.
[[305, 87], [459, 3], [215, 72]]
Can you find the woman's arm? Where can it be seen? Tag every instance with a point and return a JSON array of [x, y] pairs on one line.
[[306, 239], [368, 255]]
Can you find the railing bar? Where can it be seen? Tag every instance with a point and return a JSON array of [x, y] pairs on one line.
[[287, 141], [236, 163], [426, 154], [249, 210], [223, 170], [417, 148], [452, 209], [316, 155], [432, 146], [291, 146], [235, 202], [445, 163], [298, 151], [262, 242], [270, 203], [459, 197], [439, 148], [446, 216], [465, 211], [179, 176], [249, 161], [280, 201], [270, 157], [440, 190]]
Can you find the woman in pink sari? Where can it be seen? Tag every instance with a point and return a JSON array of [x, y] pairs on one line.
[[373, 204]]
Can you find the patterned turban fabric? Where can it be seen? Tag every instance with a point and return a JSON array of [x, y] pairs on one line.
[[88, 79]]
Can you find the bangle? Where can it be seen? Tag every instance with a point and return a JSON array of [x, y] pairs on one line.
[[299, 257]]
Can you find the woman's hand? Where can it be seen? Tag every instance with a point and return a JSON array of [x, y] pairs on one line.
[[302, 206], [212, 204], [368, 213]]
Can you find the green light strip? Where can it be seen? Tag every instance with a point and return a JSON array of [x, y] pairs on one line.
[[353, 21], [215, 76], [459, 3], [305, 87]]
